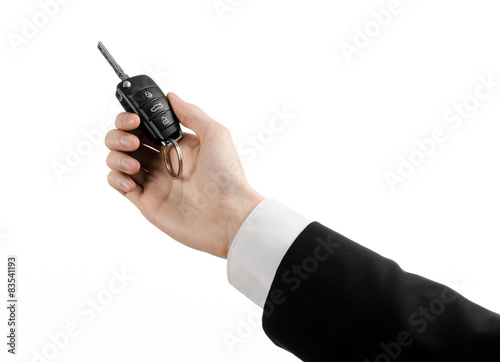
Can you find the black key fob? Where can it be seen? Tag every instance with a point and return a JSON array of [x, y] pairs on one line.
[[141, 95]]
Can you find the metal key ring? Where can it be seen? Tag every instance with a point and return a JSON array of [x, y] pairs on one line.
[[166, 159]]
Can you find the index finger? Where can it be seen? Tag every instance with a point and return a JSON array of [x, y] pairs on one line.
[[127, 121]]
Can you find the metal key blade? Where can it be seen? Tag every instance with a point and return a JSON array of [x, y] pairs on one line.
[[119, 71]]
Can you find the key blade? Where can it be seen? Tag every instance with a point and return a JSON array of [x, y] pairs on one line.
[[119, 71]]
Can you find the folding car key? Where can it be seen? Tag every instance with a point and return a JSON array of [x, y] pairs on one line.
[[141, 95]]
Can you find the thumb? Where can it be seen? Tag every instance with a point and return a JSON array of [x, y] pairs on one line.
[[190, 115]]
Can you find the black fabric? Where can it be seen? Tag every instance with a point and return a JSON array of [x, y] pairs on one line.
[[335, 300]]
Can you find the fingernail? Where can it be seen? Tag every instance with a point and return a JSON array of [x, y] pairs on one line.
[[128, 164], [129, 120], [125, 184], [126, 141]]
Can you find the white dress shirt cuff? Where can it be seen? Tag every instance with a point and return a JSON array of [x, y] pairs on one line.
[[260, 245]]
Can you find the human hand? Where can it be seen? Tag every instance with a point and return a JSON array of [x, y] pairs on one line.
[[206, 206]]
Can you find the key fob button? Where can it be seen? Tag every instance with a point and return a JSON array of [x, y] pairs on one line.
[[156, 107], [146, 95], [163, 120]]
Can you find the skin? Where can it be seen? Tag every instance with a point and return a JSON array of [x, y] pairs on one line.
[[206, 206]]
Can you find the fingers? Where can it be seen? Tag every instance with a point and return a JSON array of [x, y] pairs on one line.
[[121, 141], [121, 162], [121, 182], [126, 175], [127, 121], [129, 141], [128, 153], [147, 157], [130, 122], [125, 185], [126, 165], [191, 116]]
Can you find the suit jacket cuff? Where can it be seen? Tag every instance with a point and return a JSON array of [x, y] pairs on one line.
[[259, 246]]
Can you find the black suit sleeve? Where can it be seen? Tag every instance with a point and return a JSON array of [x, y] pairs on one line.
[[334, 300]]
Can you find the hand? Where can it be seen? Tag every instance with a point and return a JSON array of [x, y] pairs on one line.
[[206, 206]]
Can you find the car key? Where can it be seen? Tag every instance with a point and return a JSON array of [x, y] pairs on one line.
[[142, 96]]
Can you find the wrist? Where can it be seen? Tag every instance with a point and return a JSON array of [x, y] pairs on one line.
[[246, 203]]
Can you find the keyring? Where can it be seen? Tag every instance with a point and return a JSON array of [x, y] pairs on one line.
[[166, 159]]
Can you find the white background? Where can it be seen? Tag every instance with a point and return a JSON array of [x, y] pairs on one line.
[[353, 120]]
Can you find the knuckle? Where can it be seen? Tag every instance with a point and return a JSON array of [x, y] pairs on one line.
[[108, 139], [216, 129], [224, 130], [114, 138], [109, 162], [119, 118], [110, 178]]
